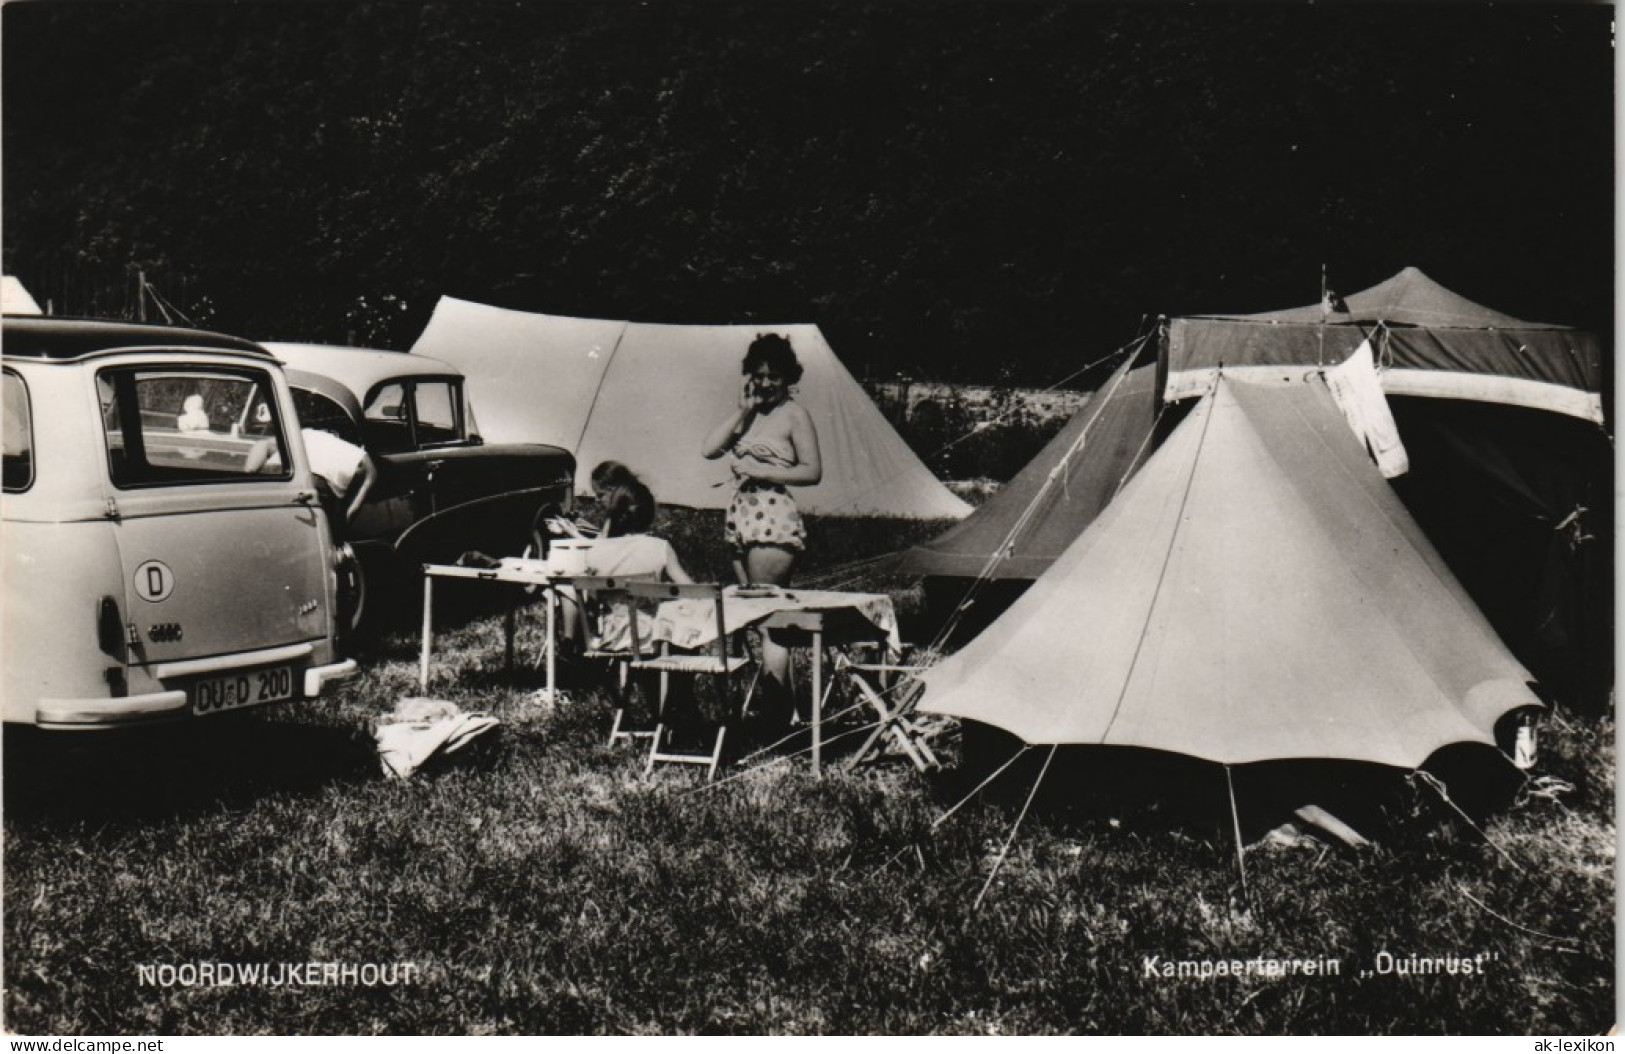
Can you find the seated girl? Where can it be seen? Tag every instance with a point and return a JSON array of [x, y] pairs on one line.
[[625, 550], [606, 477]]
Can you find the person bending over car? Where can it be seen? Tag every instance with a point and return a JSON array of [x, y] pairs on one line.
[[344, 473]]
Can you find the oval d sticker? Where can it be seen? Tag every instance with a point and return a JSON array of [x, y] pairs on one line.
[[154, 581]]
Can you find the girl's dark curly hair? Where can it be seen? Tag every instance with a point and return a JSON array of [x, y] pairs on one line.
[[609, 474], [629, 508], [775, 352]]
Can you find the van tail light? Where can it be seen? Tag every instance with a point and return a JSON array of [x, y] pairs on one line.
[[109, 628]]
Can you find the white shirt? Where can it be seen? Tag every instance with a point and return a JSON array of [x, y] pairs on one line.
[[629, 554], [332, 458]]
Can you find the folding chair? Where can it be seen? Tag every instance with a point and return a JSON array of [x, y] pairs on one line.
[[894, 719], [714, 660], [593, 593]]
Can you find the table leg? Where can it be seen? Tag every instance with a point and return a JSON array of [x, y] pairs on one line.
[[510, 625], [818, 702], [552, 640], [428, 631]]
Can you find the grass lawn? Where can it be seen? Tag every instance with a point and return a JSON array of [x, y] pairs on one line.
[[542, 884]]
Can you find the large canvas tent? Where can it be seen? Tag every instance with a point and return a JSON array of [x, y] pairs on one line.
[[16, 300], [1510, 468], [1432, 343], [1024, 527], [1257, 592], [979, 566], [647, 394]]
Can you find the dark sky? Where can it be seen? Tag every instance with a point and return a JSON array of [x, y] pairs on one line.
[[953, 189]]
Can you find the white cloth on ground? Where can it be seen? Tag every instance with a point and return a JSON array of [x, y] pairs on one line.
[[419, 729]]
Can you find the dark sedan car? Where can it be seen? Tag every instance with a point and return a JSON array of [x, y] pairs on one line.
[[442, 490]]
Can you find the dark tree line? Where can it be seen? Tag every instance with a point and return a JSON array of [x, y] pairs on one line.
[[949, 189]]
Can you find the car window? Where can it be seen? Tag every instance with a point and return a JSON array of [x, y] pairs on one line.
[[169, 425], [436, 405], [18, 443], [384, 421], [318, 411]]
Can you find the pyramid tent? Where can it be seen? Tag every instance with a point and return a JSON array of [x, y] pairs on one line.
[[1256, 593], [14, 299], [1432, 342], [1024, 527], [1511, 474], [648, 394]]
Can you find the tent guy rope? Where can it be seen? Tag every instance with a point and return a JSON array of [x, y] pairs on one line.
[[1443, 792], [1004, 850]]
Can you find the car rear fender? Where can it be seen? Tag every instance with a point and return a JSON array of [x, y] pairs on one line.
[[499, 524]]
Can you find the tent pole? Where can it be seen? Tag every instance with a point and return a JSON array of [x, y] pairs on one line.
[[1235, 821], [1320, 330]]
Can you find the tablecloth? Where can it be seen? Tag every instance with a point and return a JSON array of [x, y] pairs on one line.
[[691, 623]]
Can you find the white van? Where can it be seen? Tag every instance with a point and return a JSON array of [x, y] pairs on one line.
[[158, 562]]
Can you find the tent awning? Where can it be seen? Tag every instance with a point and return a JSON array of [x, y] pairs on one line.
[[1431, 342]]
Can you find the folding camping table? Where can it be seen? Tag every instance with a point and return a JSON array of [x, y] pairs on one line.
[[564, 559]]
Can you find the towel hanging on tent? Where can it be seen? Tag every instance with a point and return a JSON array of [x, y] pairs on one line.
[[1358, 392]]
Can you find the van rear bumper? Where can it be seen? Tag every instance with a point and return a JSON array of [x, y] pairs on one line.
[[110, 713], [316, 677], [86, 714]]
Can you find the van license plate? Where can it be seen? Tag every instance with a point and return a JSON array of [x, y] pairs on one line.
[[232, 691]]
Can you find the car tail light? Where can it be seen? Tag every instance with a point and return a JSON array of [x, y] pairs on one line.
[[350, 587], [109, 628]]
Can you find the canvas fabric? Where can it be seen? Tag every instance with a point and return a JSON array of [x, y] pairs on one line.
[[1020, 531], [16, 300], [1432, 343], [648, 395], [1257, 592]]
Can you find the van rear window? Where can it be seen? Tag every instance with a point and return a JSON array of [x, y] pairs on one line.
[[18, 425], [174, 425]]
